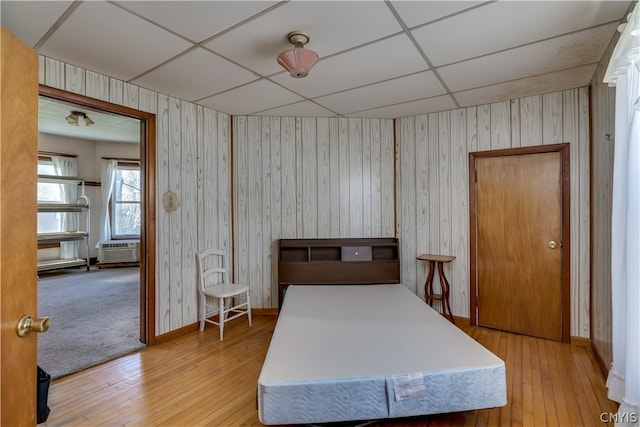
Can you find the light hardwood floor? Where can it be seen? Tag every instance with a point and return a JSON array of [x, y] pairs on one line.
[[196, 380]]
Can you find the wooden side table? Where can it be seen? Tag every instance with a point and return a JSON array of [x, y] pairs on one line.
[[443, 297]]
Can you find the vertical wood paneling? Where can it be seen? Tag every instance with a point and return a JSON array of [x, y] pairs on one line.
[[434, 183], [116, 91], [41, 70], [407, 207], [288, 185], [288, 181], [376, 180], [54, 73], [366, 178], [334, 177], [355, 181], [208, 182], [552, 118], [571, 133], [459, 213], [266, 243], [276, 204], [255, 210], [531, 121], [74, 79], [515, 123], [603, 127], [500, 125], [175, 219], [223, 174], [163, 244], [130, 95], [345, 179], [444, 203], [241, 193], [584, 219], [387, 177], [189, 226], [97, 86], [324, 187], [422, 198], [147, 100], [309, 172], [483, 130]]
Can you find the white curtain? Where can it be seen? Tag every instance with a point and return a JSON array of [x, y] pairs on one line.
[[106, 185], [67, 166], [623, 72]]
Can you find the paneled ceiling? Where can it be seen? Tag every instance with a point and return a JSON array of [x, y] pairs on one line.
[[378, 59]]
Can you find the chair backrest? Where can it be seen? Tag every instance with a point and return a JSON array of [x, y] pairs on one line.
[[211, 262]]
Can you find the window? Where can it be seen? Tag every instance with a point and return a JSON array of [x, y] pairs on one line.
[[49, 222], [126, 209]]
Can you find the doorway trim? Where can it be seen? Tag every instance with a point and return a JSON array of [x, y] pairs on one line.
[[148, 175], [563, 149]]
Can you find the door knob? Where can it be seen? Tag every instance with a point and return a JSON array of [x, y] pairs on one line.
[[552, 244], [27, 324]]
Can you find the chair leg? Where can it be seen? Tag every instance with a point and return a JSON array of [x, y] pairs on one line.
[[202, 310], [249, 308], [221, 316]]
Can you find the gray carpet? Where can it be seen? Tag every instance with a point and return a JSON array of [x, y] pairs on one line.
[[95, 317]]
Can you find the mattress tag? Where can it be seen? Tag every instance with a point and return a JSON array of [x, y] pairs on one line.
[[409, 385]]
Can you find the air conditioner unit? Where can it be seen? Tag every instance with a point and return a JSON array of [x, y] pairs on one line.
[[115, 252]]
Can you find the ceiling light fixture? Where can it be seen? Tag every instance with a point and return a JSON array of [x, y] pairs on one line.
[[73, 118], [298, 61]]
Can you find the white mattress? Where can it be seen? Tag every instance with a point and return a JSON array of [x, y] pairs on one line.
[[340, 353]]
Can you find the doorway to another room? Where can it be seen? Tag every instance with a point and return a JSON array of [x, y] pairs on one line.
[[101, 310]]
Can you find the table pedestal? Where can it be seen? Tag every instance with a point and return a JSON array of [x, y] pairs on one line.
[[438, 261]]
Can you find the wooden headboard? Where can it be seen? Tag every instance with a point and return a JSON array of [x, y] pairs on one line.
[[361, 261]]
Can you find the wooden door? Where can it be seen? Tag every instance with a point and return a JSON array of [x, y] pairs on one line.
[[519, 243], [18, 213]]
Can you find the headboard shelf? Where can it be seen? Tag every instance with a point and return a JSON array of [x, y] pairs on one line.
[[346, 261]]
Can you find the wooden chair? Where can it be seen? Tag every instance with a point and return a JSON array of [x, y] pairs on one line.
[[217, 295]]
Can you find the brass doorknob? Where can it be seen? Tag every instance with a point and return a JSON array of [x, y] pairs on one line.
[[27, 324], [552, 244]]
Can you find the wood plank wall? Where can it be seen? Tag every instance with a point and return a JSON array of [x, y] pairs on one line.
[[433, 189], [603, 124], [306, 178], [193, 160], [333, 177]]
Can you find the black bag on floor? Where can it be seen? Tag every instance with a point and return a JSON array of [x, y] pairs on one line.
[[43, 395]]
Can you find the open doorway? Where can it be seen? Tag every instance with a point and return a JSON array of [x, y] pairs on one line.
[[133, 153]]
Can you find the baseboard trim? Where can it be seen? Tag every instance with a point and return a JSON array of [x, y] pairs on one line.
[[171, 335]]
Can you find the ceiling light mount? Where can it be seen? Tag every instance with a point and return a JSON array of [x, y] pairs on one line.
[[298, 61], [75, 116]]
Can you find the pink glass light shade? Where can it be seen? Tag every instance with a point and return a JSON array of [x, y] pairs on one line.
[[298, 61]]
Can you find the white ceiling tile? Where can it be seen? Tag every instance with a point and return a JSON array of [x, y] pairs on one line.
[[332, 26], [544, 83], [30, 20], [243, 100], [406, 109], [102, 37], [201, 72], [299, 109], [501, 25], [555, 54], [418, 12], [358, 67], [197, 20], [404, 89]]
